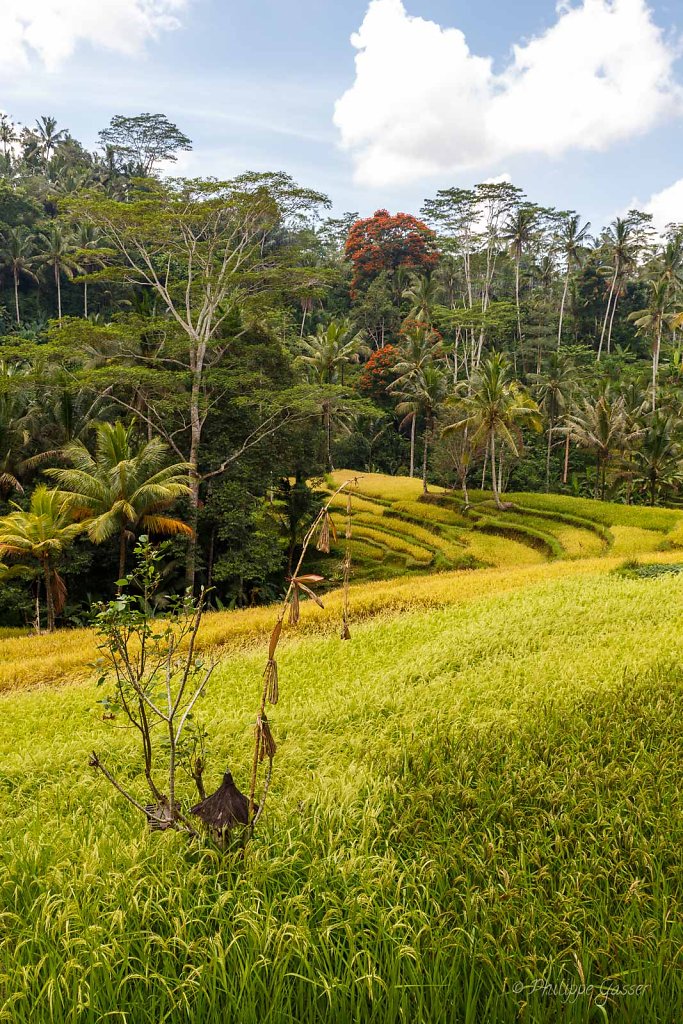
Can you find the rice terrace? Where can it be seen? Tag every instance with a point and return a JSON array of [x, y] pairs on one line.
[[341, 512]]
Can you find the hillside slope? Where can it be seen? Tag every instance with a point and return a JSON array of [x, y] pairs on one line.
[[408, 553]]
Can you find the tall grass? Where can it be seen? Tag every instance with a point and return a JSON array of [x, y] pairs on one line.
[[471, 806]]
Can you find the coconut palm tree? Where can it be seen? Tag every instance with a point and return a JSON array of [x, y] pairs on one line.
[[571, 240], [16, 255], [325, 354], [330, 349], [655, 465], [651, 322], [8, 135], [419, 347], [424, 392], [55, 250], [495, 409], [48, 136], [124, 487], [423, 295], [41, 534], [87, 240], [602, 427], [621, 244], [555, 393], [518, 232], [18, 420]]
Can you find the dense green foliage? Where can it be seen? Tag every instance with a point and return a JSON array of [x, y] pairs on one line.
[[243, 342]]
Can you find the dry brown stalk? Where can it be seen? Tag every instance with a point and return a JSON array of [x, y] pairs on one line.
[[264, 744]]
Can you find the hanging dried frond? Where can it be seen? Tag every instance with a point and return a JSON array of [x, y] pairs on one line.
[[274, 639], [299, 586], [294, 606], [327, 528], [264, 737], [270, 676], [301, 583]]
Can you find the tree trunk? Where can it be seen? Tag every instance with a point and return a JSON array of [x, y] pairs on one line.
[[494, 483], [58, 282], [191, 563], [85, 300], [566, 460], [598, 464], [412, 445], [37, 619], [211, 556], [547, 457], [49, 596], [16, 295], [328, 435], [122, 555], [564, 299], [604, 478], [655, 365], [424, 458], [519, 314], [607, 311], [194, 479], [611, 321]]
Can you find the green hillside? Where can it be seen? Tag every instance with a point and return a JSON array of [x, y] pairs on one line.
[[398, 529]]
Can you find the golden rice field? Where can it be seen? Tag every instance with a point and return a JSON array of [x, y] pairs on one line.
[[475, 817]]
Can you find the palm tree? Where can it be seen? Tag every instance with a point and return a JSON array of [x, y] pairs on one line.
[[571, 240], [423, 295], [42, 533], [87, 239], [18, 415], [48, 136], [518, 233], [325, 354], [494, 409], [424, 392], [602, 427], [655, 465], [8, 135], [123, 487], [330, 349], [555, 391], [651, 322], [621, 244], [56, 251], [16, 255], [419, 347], [669, 266]]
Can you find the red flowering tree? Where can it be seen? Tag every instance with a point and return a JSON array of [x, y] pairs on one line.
[[386, 242], [378, 372]]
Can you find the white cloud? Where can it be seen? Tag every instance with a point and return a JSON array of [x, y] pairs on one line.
[[666, 206], [422, 103], [52, 29]]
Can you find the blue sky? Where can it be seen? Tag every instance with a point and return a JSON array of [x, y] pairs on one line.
[[255, 86]]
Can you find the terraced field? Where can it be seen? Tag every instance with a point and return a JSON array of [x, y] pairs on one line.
[[396, 529]]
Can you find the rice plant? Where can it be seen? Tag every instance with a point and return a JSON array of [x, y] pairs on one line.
[[474, 819]]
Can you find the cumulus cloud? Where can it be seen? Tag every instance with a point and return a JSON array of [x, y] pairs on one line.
[[52, 29], [666, 206], [423, 103]]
